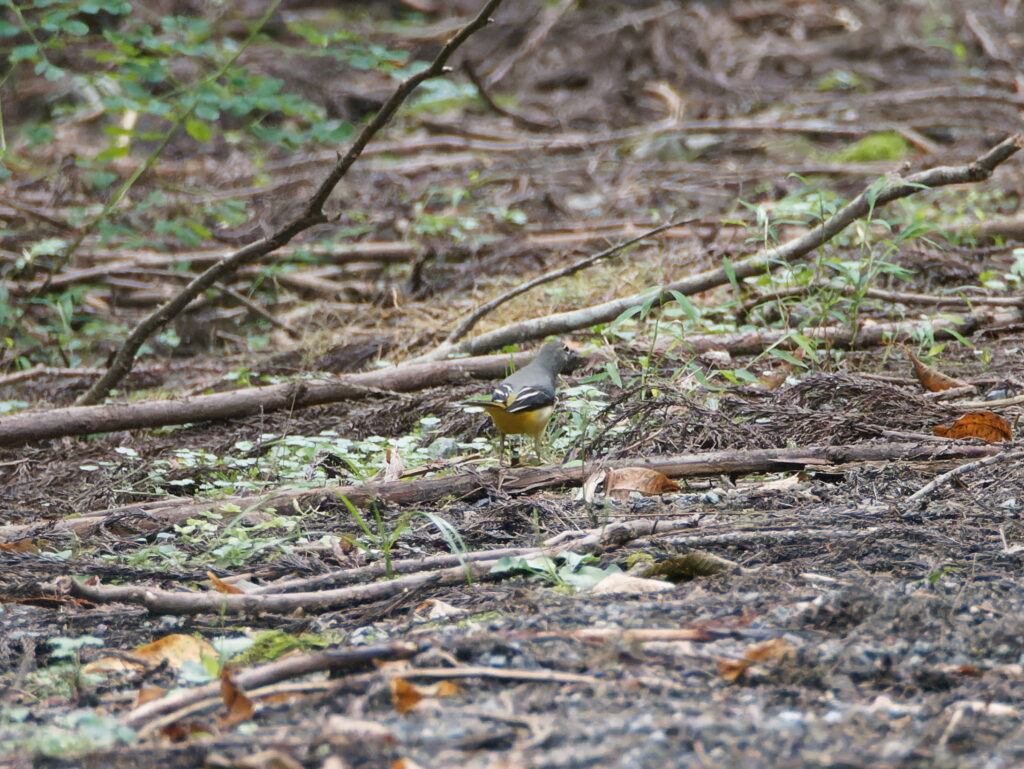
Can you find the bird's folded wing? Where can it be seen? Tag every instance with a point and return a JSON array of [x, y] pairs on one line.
[[528, 399]]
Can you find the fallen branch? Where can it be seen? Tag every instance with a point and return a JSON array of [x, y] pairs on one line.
[[355, 658], [312, 214], [340, 577], [78, 420], [175, 602], [166, 513], [867, 334], [869, 200], [29, 426], [500, 674], [896, 297]]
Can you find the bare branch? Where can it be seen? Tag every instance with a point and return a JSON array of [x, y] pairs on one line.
[[874, 196], [474, 317], [311, 215]]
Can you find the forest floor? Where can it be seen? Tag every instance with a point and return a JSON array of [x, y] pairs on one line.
[[792, 609]]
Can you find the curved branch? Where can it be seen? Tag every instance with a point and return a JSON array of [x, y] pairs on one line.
[[875, 195], [311, 215]]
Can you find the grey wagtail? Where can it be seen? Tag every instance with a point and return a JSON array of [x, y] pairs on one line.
[[522, 403]]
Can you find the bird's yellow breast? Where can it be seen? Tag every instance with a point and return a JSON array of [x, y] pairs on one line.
[[519, 422]]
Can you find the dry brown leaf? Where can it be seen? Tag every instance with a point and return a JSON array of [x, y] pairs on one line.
[[621, 481], [775, 650], [112, 665], [223, 587], [27, 545], [175, 649], [239, 707], [776, 378], [731, 670], [978, 424], [591, 484], [148, 694], [630, 585], [433, 608], [405, 696], [404, 763], [394, 466], [930, 377]]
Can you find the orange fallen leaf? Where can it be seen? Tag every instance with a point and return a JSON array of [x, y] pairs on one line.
[[404, 763], [27, 545], [433, 608], [930, 377], [405, 696], [978, 424], [621, 481], [731, 670], [175, 649], [774, 650], [239, 707], [148, 694], [221, 586]]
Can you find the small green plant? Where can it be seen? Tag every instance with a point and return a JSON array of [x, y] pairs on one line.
[[381, 538], [76, 732], [299, 460], [566, 570], [64, 677], [934, 576]]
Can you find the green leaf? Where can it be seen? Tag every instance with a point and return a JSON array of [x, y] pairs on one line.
[[27, 52], [787, 357], [730, 273], [198, 130], [683, 301], [75, 27], [116, 151], [207, 112], [507, 564], [613, 373], [628, 313]]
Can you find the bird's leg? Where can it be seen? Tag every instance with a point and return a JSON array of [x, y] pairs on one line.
[[537, 449], [501, 448]]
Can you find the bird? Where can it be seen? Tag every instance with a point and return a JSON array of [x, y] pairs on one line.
[[522, 404]]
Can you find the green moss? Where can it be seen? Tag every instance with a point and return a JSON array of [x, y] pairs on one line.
[[681, 568], [881, 146], [274, 643]]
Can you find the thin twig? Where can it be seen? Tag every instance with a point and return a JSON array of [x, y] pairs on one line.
[[1007, 456], [250, 305], [522, 120], [901, 297], [311, 215], [551, 17], [474, 317]]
